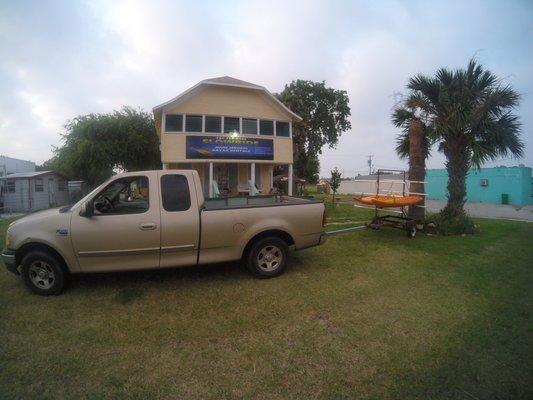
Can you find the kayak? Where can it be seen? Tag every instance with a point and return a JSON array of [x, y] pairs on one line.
[[389, 201]]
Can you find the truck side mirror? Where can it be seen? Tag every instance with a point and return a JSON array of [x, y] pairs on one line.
[[87, 209]]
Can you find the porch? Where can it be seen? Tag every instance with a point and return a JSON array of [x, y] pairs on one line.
[[232, 179]]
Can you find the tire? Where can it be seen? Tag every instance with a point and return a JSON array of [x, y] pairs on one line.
[[411, 232], [43, 273], [267, 257]]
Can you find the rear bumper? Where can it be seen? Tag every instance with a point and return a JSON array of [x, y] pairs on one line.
[[323, 238], [8, 257]]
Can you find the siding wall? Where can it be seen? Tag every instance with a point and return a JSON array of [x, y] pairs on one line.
[[25, 198]]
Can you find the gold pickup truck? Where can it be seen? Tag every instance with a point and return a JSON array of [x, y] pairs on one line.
[[158, 219]]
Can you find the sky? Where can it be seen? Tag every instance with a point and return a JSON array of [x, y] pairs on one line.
[[60, 59]]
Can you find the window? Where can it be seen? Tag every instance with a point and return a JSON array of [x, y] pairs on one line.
[[61, 185], [266, 127], [11, 188], [193, 123], [484, 182], [124, 196], [249, 126], [39, 187], [175, 193], [213, 124], [231, 124], [174, 123], [282, 129]]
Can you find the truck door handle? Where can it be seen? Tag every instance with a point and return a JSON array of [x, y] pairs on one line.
[[147, 226]]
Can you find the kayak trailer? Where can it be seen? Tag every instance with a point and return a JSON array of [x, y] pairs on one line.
[[385, 200]]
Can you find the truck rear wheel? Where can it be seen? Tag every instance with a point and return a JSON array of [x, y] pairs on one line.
[[42, 273], [267, 257]]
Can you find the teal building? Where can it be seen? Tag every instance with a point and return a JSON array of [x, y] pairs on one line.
[[507, 185]]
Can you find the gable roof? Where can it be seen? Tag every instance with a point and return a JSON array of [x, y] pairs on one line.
[[226, 81]]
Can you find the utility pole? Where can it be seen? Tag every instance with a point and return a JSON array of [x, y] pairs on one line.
[[370, 164]]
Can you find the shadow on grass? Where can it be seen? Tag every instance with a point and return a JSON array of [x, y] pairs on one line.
[[156, 277]]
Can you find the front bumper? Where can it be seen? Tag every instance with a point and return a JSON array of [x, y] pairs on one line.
[[8, 257]]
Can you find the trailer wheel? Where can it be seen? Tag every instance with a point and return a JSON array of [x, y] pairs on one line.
[[267, 257], [411, 231]]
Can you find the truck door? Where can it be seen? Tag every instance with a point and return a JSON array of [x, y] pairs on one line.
[[124, 231], [180, 220]]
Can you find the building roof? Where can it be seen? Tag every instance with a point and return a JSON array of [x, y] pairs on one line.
[[225, 81], [32, 174], [229, 81]]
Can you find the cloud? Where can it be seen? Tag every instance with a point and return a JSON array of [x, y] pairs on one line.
[[65, 59]]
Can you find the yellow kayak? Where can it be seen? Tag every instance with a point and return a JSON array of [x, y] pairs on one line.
[[389, 201]]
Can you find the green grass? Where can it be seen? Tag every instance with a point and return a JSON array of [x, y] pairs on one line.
[[369, 315]]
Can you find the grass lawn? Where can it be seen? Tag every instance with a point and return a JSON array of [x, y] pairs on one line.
[[369, 315]]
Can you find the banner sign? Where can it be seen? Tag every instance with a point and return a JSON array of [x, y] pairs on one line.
[[229, 147]]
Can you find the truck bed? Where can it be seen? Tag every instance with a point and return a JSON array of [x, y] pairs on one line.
[[219, 203]]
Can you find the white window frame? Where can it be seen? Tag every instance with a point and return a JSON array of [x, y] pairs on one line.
[[185, 124], [35, 185], [222, 123], [276, 129], [164, 123]]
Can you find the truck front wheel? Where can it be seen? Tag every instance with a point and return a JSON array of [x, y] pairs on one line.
[[267, 257], [42, 273]]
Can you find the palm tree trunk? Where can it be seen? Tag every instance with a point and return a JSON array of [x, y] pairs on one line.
[[417, 167], [457, 166]]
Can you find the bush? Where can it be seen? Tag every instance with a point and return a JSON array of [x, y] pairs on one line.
[[445, 224]]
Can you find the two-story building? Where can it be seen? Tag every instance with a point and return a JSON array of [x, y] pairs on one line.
[[232, 132]]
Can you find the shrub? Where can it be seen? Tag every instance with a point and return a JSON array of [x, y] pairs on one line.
[[445, 224]]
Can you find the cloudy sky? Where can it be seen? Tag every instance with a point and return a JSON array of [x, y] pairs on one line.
[[64, 58]]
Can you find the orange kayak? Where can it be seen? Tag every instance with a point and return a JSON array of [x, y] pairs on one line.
[[389, 201]]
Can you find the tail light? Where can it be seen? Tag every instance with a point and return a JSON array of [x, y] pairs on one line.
[[324, 218]]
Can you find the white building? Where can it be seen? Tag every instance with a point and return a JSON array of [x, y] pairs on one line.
[[32, 191], [10, 165]]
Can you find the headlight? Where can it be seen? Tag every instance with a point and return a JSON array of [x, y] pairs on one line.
[[9, 240]]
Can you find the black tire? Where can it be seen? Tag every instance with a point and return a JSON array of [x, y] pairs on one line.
[[411, 232], [272, 267], [52, 280]]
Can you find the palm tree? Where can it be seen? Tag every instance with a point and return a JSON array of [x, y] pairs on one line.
[[470, 115], [413, 143]]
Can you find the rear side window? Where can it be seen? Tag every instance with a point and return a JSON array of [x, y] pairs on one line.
[[175, 193]]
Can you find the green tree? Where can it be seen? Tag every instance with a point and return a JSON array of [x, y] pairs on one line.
[[96, 145], [470, 115], [325, 112], [335, 181]]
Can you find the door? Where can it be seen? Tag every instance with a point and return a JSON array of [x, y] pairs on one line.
[[51, 192], [124, 232], [180, 220]]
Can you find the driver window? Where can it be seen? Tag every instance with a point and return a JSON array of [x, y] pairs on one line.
[[123, 196]]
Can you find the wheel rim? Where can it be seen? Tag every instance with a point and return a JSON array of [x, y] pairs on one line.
[[41, 274], [269, 258]]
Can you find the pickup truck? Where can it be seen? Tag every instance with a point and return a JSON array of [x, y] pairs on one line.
[[158, 219]]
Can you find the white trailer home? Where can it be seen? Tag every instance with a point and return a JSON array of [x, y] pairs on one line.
[[32, 191]]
